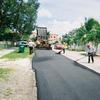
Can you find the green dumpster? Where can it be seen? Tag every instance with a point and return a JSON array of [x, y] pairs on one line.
[[21, 48]]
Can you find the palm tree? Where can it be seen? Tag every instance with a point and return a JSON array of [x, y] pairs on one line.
[[92, 32]]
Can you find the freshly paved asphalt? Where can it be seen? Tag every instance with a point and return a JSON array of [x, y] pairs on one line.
[[59, 78]]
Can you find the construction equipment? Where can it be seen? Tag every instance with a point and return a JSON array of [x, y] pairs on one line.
[[42, 38]]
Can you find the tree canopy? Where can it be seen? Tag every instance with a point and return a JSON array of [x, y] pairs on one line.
[[89, 32], [18, 15]]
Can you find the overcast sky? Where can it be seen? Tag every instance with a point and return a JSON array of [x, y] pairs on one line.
[[61, 16]]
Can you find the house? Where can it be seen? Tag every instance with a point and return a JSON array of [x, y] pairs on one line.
[[53, 38]]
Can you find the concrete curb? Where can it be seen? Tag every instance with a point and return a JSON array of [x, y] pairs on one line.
[[85, 67], [35, 71], [34, 86], [34, 80]]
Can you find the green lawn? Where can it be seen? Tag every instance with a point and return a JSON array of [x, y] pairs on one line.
[[4, 73], [15, 55]]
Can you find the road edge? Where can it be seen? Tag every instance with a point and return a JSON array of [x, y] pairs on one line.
[[35, 97], [81, 65]]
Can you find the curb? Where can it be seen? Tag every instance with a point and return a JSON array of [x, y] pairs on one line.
[[34, 86], [85, 67], [81, 65], [34, 79], [36, 82]]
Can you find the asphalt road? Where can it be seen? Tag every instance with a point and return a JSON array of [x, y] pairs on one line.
[[59, 78]]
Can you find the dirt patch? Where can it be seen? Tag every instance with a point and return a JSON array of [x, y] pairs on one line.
[[21, 82]]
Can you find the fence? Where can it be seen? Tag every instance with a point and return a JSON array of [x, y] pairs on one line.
[[5, 44]]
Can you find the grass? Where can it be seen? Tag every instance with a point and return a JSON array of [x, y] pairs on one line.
[[1, 48], [4, 73], [15, 55], [7, 92]]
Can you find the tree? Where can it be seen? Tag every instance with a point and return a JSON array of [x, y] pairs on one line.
[[18, 15], [91, 25]]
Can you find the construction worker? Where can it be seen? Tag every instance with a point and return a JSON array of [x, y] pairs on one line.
[[64, 47], [90, 51]]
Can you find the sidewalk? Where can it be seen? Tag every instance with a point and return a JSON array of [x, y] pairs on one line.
[[21, 84], [82, 59], [6, 51]]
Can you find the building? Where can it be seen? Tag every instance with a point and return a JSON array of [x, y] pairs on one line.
[[53, 38]]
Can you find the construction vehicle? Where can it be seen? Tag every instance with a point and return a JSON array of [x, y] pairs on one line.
[[42, 38]]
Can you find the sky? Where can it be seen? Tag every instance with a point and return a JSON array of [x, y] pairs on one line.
[[62, 16]]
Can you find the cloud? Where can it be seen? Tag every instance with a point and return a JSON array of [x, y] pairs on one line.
[[62, 27], [62, 16], [44, 13]]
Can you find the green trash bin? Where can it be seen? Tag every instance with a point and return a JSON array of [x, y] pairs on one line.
[[21, 48]]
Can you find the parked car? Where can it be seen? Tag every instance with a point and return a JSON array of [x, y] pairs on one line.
[[58, 46], [22, 42]]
